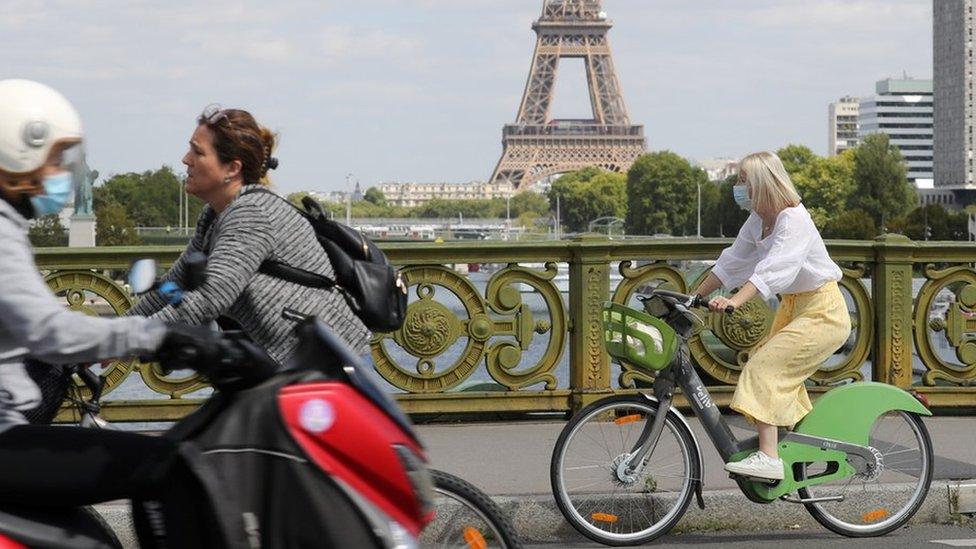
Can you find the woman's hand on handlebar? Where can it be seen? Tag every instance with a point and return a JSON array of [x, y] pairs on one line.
[[721, 304]]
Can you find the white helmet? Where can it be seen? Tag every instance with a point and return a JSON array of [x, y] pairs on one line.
[[33, 118]]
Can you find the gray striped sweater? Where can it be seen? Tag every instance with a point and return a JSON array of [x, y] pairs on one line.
[[257, 226]]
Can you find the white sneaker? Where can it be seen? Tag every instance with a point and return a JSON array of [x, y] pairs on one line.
[[757, 465]]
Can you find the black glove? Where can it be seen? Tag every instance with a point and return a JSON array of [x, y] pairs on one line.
[[185, 346]]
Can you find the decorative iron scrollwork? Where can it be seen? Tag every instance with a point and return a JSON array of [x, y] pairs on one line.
[[74, 287], [958, 324], [431, 328]]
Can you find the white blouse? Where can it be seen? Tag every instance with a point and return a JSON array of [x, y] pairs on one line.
[[790, 260]]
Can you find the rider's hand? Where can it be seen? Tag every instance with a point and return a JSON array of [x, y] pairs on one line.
[[185, 346], [718, 304]]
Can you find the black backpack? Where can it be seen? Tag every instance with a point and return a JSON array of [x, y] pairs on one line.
[[374, 290]]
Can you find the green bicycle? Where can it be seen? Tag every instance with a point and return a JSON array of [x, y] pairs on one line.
[[625, 469]]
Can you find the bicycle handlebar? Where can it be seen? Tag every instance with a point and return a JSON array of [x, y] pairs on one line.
[[690, 300]]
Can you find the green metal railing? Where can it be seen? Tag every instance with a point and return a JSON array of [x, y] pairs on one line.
[[513, 341]]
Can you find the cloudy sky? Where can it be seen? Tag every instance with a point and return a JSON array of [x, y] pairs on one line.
[[418, 90]]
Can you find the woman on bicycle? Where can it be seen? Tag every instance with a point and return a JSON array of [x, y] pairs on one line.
[[778, 251], [243, 225]]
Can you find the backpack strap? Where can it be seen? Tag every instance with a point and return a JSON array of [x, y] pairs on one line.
[[284, 271], [295, 275]]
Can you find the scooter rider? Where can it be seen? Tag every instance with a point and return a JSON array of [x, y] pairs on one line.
[[41, 150]]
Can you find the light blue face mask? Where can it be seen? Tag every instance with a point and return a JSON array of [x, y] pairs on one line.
[[57, 193], [741, 196]]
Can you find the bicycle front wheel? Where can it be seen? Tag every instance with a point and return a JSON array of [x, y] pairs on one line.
[[604, 502], [887, 495], [466, 518]]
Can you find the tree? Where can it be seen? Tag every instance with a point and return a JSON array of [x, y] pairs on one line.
[[296, 198], [882, 189], [662, 194], [850, 225], [47, 231], [729, 216], [824, 184], [150, 198], [796, 158], [936, 220], [529, 202], [711, 197], [375, 196], [588, 194], [113, 227], [439, 208]]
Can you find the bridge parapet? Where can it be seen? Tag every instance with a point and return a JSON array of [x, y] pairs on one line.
[[523, 334]]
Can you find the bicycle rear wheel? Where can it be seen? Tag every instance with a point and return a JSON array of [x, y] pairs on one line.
[[591, 492], [466, 518], [887, 496]]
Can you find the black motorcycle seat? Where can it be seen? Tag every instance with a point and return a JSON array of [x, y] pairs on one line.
[[57, 528]]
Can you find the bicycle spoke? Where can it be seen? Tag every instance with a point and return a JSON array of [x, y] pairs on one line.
[[630, 508]]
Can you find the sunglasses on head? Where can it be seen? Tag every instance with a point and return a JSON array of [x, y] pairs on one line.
[[215, 115]]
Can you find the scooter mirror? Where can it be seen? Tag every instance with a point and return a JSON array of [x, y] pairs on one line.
[[142, 275]]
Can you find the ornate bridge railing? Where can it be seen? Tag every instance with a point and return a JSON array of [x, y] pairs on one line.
[[527, 336]]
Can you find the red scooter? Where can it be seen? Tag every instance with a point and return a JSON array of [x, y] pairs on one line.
[[312, 455]]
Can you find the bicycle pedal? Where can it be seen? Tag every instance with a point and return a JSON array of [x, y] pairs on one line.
[[766, 481]]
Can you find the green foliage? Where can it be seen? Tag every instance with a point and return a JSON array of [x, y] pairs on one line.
[[728, 215], [796, 158], [588, 194], [850, 225], [113, 227], [882, 189], [711, 197], [296, 198], [150, 198], [48, 231], [529, 202], [662, 194], [824, 184], [942, 224], [374, 196], [471, 209], [375, 206]]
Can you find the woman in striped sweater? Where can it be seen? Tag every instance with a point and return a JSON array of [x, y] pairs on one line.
[[230, 154]]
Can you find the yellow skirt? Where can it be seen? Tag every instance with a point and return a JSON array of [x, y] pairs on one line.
[[807, 329]]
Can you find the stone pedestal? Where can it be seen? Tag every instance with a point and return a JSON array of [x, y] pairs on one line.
[[81, 231]]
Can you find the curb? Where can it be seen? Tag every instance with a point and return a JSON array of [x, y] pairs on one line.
[[538, 520]]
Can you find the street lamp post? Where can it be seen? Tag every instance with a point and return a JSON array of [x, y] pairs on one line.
[[508, 216], [699, 209], [556, 230], [348, 201]]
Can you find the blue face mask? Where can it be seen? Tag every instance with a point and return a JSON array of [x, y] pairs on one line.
[[57, 193], [741, 196]]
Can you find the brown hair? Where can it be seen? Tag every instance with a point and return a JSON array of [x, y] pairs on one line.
[[238, 136]]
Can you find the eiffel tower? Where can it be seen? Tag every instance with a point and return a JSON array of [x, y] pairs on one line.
[[536, 147]]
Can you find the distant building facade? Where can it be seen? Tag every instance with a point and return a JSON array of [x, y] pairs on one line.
[[842, 125], [415, 194], [952, 26], [718, 169], [338, 197], [930, 194], [902, 109]]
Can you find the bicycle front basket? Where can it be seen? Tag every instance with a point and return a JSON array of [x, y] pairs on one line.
[[638, 338]]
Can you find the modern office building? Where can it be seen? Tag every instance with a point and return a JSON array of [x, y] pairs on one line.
[[842, 125], [902, 109], [952, 31]]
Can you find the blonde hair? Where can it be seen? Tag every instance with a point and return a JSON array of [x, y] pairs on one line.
[[772, 189]]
